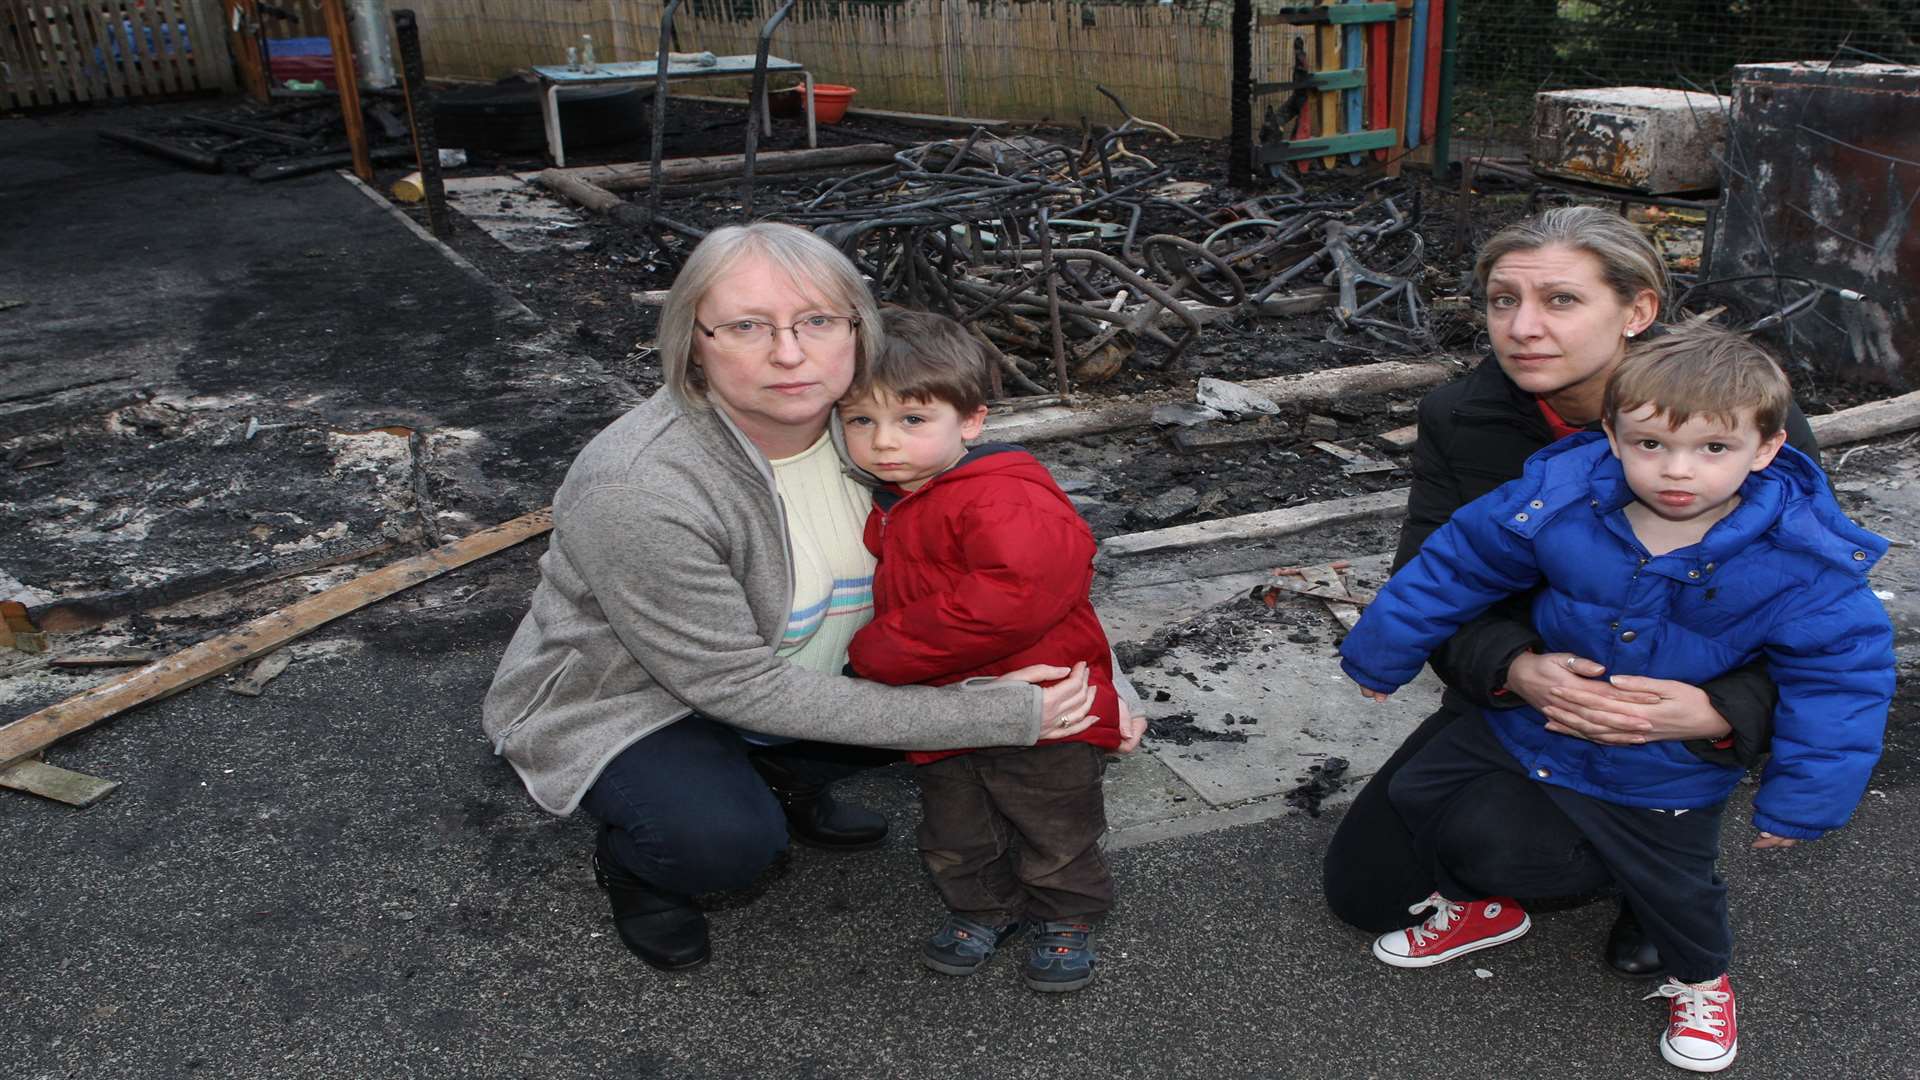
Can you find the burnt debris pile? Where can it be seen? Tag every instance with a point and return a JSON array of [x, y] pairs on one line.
[[1077, 263]]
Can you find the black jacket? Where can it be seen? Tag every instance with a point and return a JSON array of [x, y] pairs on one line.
[[1476, 434]]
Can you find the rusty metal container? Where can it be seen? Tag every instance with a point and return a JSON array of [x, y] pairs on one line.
[[1824, 184], [1638, 138]]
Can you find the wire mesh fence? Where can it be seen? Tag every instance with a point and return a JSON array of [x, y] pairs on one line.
[[1510, 49]]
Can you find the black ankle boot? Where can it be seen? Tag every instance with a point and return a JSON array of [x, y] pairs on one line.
[[1629, 953], [814, 817], [660, 927]]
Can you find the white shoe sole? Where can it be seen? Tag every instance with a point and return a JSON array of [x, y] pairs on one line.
[[1385, 957], [1699, 1064]]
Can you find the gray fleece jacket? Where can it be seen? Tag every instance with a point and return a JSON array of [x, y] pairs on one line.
[[668, 575]]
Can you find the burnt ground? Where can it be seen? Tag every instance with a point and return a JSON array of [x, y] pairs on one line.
[[338, 878], [588, 290]]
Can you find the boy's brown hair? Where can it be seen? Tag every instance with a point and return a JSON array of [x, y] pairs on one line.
[[1699, 368], [928, 357]]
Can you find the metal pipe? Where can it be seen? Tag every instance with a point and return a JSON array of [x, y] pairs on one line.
[[372, 47], [757, 105], [660, 105]]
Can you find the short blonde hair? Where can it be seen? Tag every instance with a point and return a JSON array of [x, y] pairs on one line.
[[928, 357], [805, 259], [1628, 262], [1697, 368]]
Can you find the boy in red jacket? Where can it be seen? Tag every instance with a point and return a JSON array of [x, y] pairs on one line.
[[984, 569]]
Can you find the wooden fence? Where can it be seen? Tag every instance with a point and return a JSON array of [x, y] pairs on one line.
[[59, 52]]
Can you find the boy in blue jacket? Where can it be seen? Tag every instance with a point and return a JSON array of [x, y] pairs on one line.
[[1686, 542]]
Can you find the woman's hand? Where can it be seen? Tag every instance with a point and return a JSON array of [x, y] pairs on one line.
[[1132, 730], [1572, 693], [1064, 704]]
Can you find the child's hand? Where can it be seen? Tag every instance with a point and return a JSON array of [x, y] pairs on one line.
[[1768, 840], [1372, 695]]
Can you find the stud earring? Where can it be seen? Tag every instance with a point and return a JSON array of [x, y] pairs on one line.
[[1630, 333]]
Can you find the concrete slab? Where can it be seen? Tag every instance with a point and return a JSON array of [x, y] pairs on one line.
[[521, 215], [1271, 683]]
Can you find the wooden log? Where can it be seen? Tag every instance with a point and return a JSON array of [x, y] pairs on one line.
[[1293, 519], [187, 156], [288, 168], [217, 655], [1327, 385], [635, 176], [601, 201], [1867, 421], [252, 131]]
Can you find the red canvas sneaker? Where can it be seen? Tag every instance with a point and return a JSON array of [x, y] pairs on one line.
[[1454, 929], [1701, 1033]]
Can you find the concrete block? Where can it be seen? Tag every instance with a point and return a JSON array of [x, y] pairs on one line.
[[1639, 138]]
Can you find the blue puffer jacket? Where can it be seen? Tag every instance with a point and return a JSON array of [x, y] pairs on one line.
[[1783, 576]]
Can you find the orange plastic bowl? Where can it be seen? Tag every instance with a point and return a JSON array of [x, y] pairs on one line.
[[830, 102]]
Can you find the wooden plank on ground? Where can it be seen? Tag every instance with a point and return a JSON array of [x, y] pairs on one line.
[[1293, 519], [194, 665], [56, 783], [1400, 438]]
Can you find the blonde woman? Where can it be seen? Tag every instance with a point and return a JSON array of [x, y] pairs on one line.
[[1566, 291], [678, 674]]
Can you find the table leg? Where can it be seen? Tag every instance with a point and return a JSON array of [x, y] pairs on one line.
[[806, 103], [550, 102]]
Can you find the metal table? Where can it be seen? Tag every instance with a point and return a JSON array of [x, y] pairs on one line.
[[555, 79]]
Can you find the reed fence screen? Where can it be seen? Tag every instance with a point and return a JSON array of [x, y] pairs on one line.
[[1037, 60]]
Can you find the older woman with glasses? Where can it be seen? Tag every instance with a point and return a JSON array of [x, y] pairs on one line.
[[678, 674]]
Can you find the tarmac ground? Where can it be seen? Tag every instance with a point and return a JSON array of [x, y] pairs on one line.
[[338, 878]]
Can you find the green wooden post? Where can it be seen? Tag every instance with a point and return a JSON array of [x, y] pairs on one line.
[[1443, 120]]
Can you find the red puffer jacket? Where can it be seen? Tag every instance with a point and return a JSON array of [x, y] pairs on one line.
[[983, 570]]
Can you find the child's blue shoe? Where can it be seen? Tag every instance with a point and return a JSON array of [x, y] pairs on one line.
[[1060, 957], [960, 946]]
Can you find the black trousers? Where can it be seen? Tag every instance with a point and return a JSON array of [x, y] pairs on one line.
[[1503, 834], [1663, 860], [690, 814], [1009, 832]]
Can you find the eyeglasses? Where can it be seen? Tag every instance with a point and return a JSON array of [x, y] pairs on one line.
[[749, 335]]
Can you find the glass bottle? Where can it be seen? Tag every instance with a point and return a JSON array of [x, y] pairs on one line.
[[586, 53]]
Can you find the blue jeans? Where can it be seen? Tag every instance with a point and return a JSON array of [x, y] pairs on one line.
[[690, 815], [1661, 860]]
